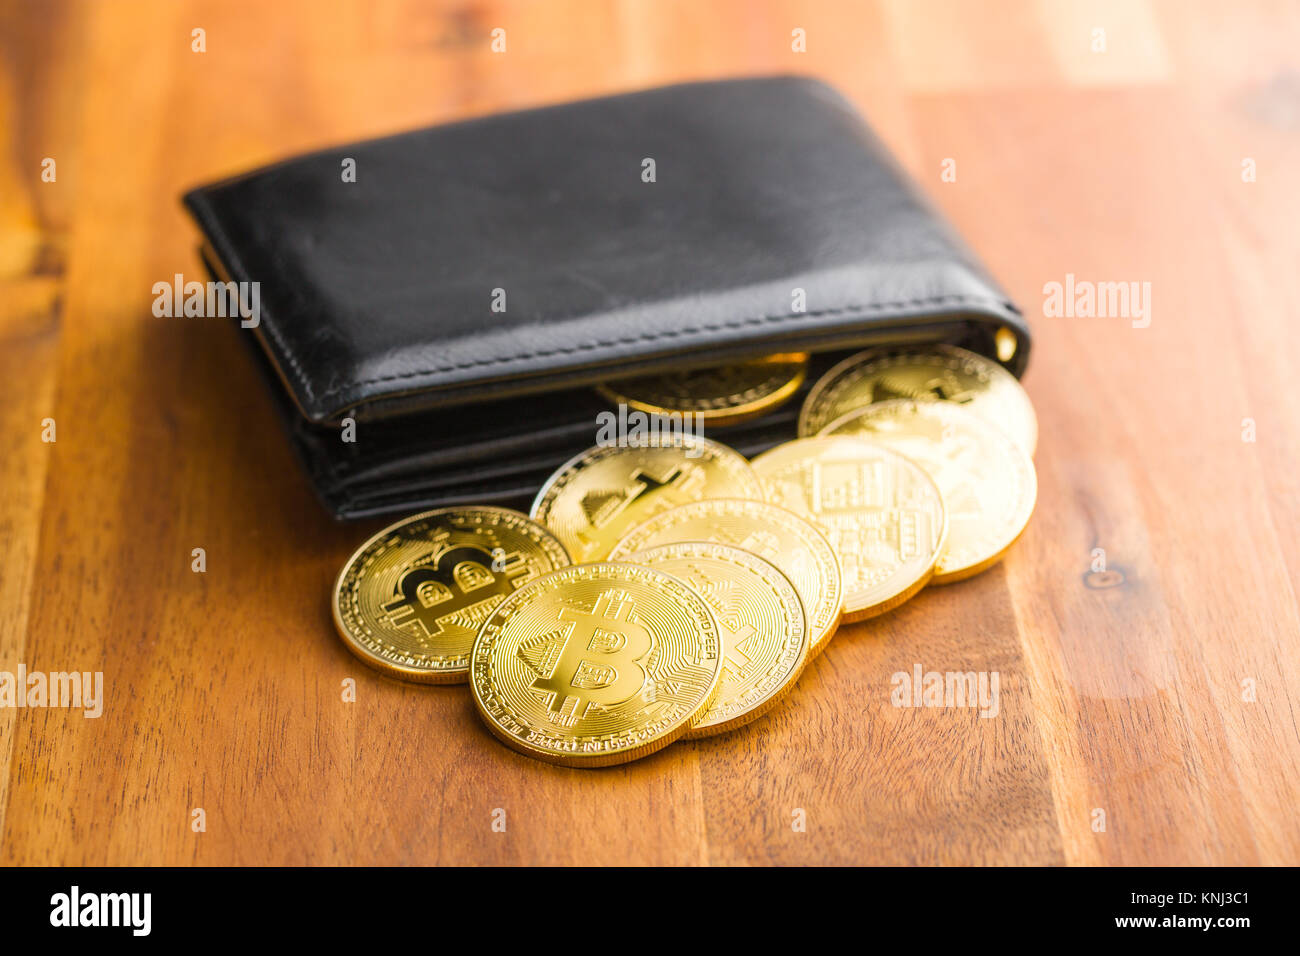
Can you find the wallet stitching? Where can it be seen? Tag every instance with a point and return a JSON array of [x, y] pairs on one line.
[[646, 337]]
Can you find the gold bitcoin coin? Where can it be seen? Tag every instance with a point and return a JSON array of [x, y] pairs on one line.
[[882, 513], [720, 396], [764, 634], [596, 664], [987, 480], [411, 599], [922, 373], [595, 498], [777, 535]]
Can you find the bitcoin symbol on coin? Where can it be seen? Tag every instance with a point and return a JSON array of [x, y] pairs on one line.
[[410, 600], [945, 386], [599, 495], [596, 664], [460, 578], [608, 634], [602, 510], [736, 663]]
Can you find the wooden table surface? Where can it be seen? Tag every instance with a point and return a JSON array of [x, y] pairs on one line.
[[1162, 692]]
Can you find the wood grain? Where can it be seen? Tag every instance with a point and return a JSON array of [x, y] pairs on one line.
[[1120, 693]]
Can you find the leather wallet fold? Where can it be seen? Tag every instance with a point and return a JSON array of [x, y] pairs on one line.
[[453, 294]]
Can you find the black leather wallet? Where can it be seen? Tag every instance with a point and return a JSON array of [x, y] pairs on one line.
[[451, 295]]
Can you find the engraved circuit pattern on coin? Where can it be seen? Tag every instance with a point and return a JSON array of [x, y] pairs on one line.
[[882, 513], [596, 664], [922, 373], [764, 633], [988, 481], [775, 534], [411, 600], [597, 496], [721, 396]]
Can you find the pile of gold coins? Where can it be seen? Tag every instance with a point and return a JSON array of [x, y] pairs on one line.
[[668, 587]]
